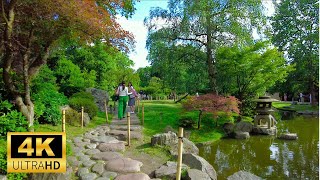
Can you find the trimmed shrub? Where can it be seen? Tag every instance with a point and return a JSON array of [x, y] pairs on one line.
[[73, 117], [87, 101], [187, 121], [84, 95]]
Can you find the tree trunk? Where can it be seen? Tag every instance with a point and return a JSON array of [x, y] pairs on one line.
[[210, 61], [23, 98], [27, 110], [312, 92]]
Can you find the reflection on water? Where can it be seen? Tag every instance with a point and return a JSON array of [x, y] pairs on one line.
[[269, 157]]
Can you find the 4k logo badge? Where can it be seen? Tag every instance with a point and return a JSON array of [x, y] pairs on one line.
[[36, 152]]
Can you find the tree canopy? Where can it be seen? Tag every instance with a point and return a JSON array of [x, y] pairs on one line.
[[32, 30], [296, 32], [205, 25]]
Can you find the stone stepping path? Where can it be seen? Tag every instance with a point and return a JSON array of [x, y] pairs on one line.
[[98, 154]]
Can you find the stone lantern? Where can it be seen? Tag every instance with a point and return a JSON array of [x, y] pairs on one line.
[[264, 122]]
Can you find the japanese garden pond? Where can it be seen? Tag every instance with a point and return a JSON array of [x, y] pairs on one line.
[[268, 156]]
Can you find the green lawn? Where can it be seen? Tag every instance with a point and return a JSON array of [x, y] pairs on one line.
[[298, 107], [155, 123]]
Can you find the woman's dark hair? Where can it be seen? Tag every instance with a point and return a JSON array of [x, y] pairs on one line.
[[123, 85], [130, 84]]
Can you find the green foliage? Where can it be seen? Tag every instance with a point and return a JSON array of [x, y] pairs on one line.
[[47, 99], [296, 32], [47, 105], [144, 75], [69, 77], [249, 71], [68, 149], [101, 66], [77, 101], [202, 26], [11, 120], [3, 164]]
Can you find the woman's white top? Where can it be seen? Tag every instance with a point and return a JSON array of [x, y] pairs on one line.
[[123, 92]]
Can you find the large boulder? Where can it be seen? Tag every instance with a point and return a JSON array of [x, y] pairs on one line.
[[169, 170], [195, 174], [242, 135], [164, 139], [228, 128], [188, 147], [100, 96], [288, 136], [197, 162], [86, 119], [171, 139], [243, 126], [264, 130], [243, 175]]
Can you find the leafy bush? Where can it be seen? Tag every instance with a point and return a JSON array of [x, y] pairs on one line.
[[47, 105], [77, 101], [69, 77], [46, 98], [11, 120]]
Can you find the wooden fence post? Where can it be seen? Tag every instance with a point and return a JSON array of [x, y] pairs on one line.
[[138, 102], [82, 113], [142, 114], [106, 108], [128, 128], [64, 120], [180, 148]]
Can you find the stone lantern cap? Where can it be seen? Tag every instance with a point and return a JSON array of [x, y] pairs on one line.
[[265, 99]]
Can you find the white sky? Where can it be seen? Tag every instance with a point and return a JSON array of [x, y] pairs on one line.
[[140, 32]]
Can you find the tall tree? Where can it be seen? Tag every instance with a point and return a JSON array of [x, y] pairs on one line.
[[206, 25], [249, 71], [31, 30], [296, 32]]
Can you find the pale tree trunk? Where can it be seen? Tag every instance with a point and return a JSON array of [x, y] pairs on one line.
[[210, 61]]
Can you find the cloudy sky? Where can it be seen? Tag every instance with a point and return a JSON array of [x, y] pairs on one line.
[[140, 32]]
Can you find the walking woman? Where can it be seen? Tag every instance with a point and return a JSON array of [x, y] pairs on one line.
[[123, 93], [132, 97]]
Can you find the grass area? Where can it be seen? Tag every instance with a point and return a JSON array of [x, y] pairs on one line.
[[160, 114], [297, 107], [73, 131]]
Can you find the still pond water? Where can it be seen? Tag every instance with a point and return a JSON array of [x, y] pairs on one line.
[[269, 157]]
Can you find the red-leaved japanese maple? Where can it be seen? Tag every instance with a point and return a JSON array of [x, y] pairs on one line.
[[212, 103]]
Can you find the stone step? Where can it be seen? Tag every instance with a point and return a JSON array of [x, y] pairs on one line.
[[123, 165], [124, 122]]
